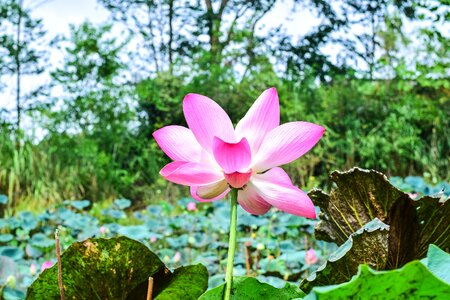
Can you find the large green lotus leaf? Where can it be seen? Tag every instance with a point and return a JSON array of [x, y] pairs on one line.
[[8, 267], [9, 293], [250, 288], [368, 245], [139, 232], [362, 195], [6, 237], [3, 199], [413, 281], [122, 203], [79, 204], [187, 283], [41, 240], [15, 253], [103, 269]]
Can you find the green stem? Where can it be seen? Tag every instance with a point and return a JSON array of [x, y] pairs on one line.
[[231, 244]]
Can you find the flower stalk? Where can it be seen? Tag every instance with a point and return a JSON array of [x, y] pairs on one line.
[[231, 244]]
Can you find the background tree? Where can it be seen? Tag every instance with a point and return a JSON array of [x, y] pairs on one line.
[[160, 30], [96, 111], [93, 101], [20, 51]]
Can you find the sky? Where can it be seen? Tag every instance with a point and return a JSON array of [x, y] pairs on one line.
[[57, 15]]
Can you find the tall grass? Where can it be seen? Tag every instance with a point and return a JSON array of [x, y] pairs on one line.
[[38, 175], [33, 179]]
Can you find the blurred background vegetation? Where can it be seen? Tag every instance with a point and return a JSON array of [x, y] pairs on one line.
[[383, 94]]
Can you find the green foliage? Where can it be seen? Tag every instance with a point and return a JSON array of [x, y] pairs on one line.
[[116, 268], [416, 280], [352, 216], [377, 125], [160, 99], [413, 281], [187, 283], [251, 289]]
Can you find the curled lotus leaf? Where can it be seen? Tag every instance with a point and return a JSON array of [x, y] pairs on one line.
[[368, 245], [363, 195], [360, 196]]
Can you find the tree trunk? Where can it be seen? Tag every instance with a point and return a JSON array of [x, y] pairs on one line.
[[214, 24], [171, 36], [152, 44], [18, 66]]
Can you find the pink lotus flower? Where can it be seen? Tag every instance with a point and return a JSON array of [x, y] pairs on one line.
[[311, 257], [413, 195], [177, 257], [46, 265], [211, 156], [191, 206], [102, 230], [33, 269]]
